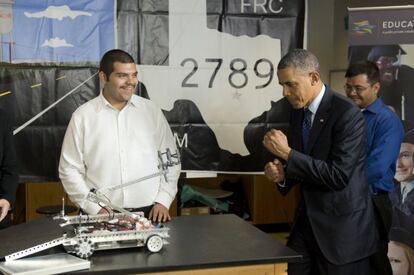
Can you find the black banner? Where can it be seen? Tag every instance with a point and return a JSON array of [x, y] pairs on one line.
[[209, 64]]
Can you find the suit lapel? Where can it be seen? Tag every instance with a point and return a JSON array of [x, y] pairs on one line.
[[320, 119], [296, 129]]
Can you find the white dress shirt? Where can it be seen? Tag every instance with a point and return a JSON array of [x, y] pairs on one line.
[[104, 147], [314, 105], [408, 186], [313, 108]]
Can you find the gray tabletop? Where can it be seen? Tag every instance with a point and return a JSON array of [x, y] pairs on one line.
[[198, 242]]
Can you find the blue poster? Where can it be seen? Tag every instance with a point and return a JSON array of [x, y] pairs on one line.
[[58, 31]]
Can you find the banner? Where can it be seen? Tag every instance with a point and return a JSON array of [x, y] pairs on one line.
[[57, 31], [386, 37], [209, 64]]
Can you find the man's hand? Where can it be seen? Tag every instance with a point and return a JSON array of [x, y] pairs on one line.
[[5, 206], [105, 210], [159, 213], [274, 171], [276, 142]]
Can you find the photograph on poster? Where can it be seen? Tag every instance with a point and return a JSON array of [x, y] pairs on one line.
[[396, 66], [384, 37]]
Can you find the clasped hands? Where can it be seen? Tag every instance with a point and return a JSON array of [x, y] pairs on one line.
[[4, 208], [276, 142]]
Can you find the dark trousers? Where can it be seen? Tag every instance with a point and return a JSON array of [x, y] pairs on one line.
[[145, 209], [303, 241], [383, 216]]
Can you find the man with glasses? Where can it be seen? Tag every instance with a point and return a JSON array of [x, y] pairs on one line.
[[385, 133]]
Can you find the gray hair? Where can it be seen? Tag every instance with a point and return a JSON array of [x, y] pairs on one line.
[[301, 60]]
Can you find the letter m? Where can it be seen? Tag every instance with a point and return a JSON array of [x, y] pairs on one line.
[[181, 142]]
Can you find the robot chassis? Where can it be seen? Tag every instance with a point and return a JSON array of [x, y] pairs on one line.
[[86, 233], [90, 235]]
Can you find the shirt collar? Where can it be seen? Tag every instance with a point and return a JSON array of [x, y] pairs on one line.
[[134, 101], [409, 186], [375, 106], [313, 107], [105, 103]]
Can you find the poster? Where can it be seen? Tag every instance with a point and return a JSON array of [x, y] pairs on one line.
[[386, 36], [208, 64]]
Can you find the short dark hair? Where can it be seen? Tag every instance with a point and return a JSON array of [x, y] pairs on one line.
[[301, 60], [364, 67], [409, 137], [110, 57]]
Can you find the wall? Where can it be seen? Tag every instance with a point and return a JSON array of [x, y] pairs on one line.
[[327, 36], [320, 33]]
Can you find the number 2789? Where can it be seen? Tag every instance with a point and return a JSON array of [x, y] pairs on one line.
[[237, 66]]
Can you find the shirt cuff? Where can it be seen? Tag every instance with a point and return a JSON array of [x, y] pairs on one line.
[[164, 199], [282, 184], [91, 207]]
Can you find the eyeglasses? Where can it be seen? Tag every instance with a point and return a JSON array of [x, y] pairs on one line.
[[358, 89]]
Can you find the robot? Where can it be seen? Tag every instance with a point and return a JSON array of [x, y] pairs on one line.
[[101, 232], [84, 234]]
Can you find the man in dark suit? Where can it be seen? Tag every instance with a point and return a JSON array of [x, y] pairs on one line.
[[8, 170], [402, 197], [325, 153]]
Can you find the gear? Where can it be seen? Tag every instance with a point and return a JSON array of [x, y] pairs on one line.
[[84, 248]]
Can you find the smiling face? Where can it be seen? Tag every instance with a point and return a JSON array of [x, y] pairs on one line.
[[405, 163], [361, 91], [120, 85], [299, 88]]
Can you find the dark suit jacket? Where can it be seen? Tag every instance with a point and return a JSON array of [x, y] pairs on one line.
[[8, 162], [332, 176], [396, 199]]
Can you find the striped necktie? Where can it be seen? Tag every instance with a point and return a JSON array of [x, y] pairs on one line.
[[404, 193], [306, 127]]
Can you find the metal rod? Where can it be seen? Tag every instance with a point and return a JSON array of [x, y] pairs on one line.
[[51, 106], [134, 181]]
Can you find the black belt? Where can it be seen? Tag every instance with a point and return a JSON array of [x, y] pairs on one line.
[[145, 209]]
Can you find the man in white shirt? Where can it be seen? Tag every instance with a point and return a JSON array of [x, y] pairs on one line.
[[114, 139]]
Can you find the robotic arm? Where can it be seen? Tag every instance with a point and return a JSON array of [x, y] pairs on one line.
[[165, 160]]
